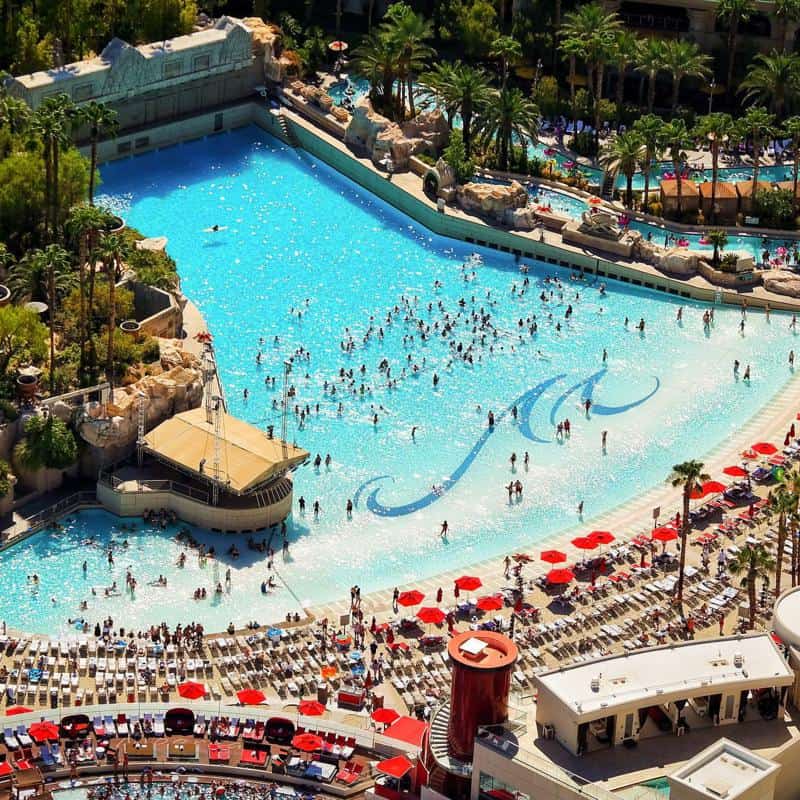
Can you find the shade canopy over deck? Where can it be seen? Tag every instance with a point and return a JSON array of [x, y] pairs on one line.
[[248, 458]]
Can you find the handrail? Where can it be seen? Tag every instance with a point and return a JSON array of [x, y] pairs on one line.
[[40, 519], [154, 485]]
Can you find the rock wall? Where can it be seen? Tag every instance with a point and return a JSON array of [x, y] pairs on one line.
[[380, 138], [782, 282], [110, 431], [492, 200]]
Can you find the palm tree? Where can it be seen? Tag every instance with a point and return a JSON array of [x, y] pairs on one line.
[[462, 89], [376, 58], [650, 60], [596, 30], [622, 155], [650, 130], [51, 123], [759, 126], [507, 50], [716, 128], [15, 114], [688, 475], [792, 129], [684, 59], [753, 562], [782, 503], [786, 11], [29, 278], [101, 120], [719, 239], [114, 249], [626, 46], [676, 141], [572, 50], [772, 79], [511, 114], [83, 226], [732, 13], [410, 33]]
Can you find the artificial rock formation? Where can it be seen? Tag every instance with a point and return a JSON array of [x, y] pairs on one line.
[[492, 200], [370, 132], [112, 429], [782, 282]]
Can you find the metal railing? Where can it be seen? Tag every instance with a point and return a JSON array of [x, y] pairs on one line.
[[114, 483], [41, 519]]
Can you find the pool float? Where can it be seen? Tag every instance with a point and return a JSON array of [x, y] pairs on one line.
[[683, 242], [704, 240]]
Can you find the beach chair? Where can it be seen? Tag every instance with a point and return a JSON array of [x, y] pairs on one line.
[[98, 727], [122, 725], [22, 737], [10, 739], [158, 725]]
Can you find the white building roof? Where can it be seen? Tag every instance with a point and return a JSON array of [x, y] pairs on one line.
[[786, 617], [723, 771], [690, 669]]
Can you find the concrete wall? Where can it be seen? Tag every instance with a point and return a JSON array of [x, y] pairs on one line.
[[157, 311], [133, 504]]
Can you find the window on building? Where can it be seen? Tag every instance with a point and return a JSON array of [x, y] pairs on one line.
[[202, 62], [493, 789], [173, 68], [82, 92], [124, 147]]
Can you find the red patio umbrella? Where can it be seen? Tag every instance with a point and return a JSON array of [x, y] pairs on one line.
[[735, 471], [601, 537], [553, 556], [490, 603], [338, 46], [385, 716], [560, 576], [311, 708], [697, 492], [665, 534], [468, 583], [764, 448], [395, 767], [501, 794], [191, 690], [750, 455], [307, 742], [522, 558], [713, 487], [410, 598], [584, 543], [251, 697], [12, 710], [431, 616], [42, 731]]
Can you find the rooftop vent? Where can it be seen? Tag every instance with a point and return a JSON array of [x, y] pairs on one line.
[[738, 660], [595, 684]]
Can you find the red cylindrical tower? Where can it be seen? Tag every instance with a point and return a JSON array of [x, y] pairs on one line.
[[481, 678]]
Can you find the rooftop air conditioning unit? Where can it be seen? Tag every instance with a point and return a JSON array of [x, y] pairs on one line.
[[738, 660], [595, 684]]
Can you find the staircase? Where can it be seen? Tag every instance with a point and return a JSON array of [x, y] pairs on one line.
[[291, 139]]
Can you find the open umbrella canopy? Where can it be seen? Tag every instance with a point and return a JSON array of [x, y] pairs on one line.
[[764, 448], [584, 543], [430, 615], [553, 556], [311, 708], [560, 576], [385, 716], [395, 767], [601, 537], [735, 471], [410, 598], [697, 492], [329, 672], [251, 697], [307, 742], [42, 731], [713, 487], [665, 534], [12, 710], [522, 558], [468, 583], [338, 46], [490, 603], [191, 690]]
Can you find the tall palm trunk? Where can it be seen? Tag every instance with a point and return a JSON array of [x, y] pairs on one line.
[[685, 523], [411, 108], [795, 172], [112, 320], [779, 554], [93, 167], [629, 190], [48, 189], [648, 159], [676, 166], [732, 36], [651, 92], [466, 126], [756, 165], [52, 292], [597, 98], [714, 175], [82, 308], [620, 98], [751, 594], [676, 87], [56, 199]]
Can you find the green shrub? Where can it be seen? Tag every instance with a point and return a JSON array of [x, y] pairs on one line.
[[153, 267], [5, 478], [8, 410], [455, 155], [774, 208], [48, 442]]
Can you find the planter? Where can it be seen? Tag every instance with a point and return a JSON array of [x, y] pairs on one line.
[[116, 225], [27, 386], [130, 326], [5, 295]]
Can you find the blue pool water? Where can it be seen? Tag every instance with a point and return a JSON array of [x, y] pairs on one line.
[[296, 231]]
